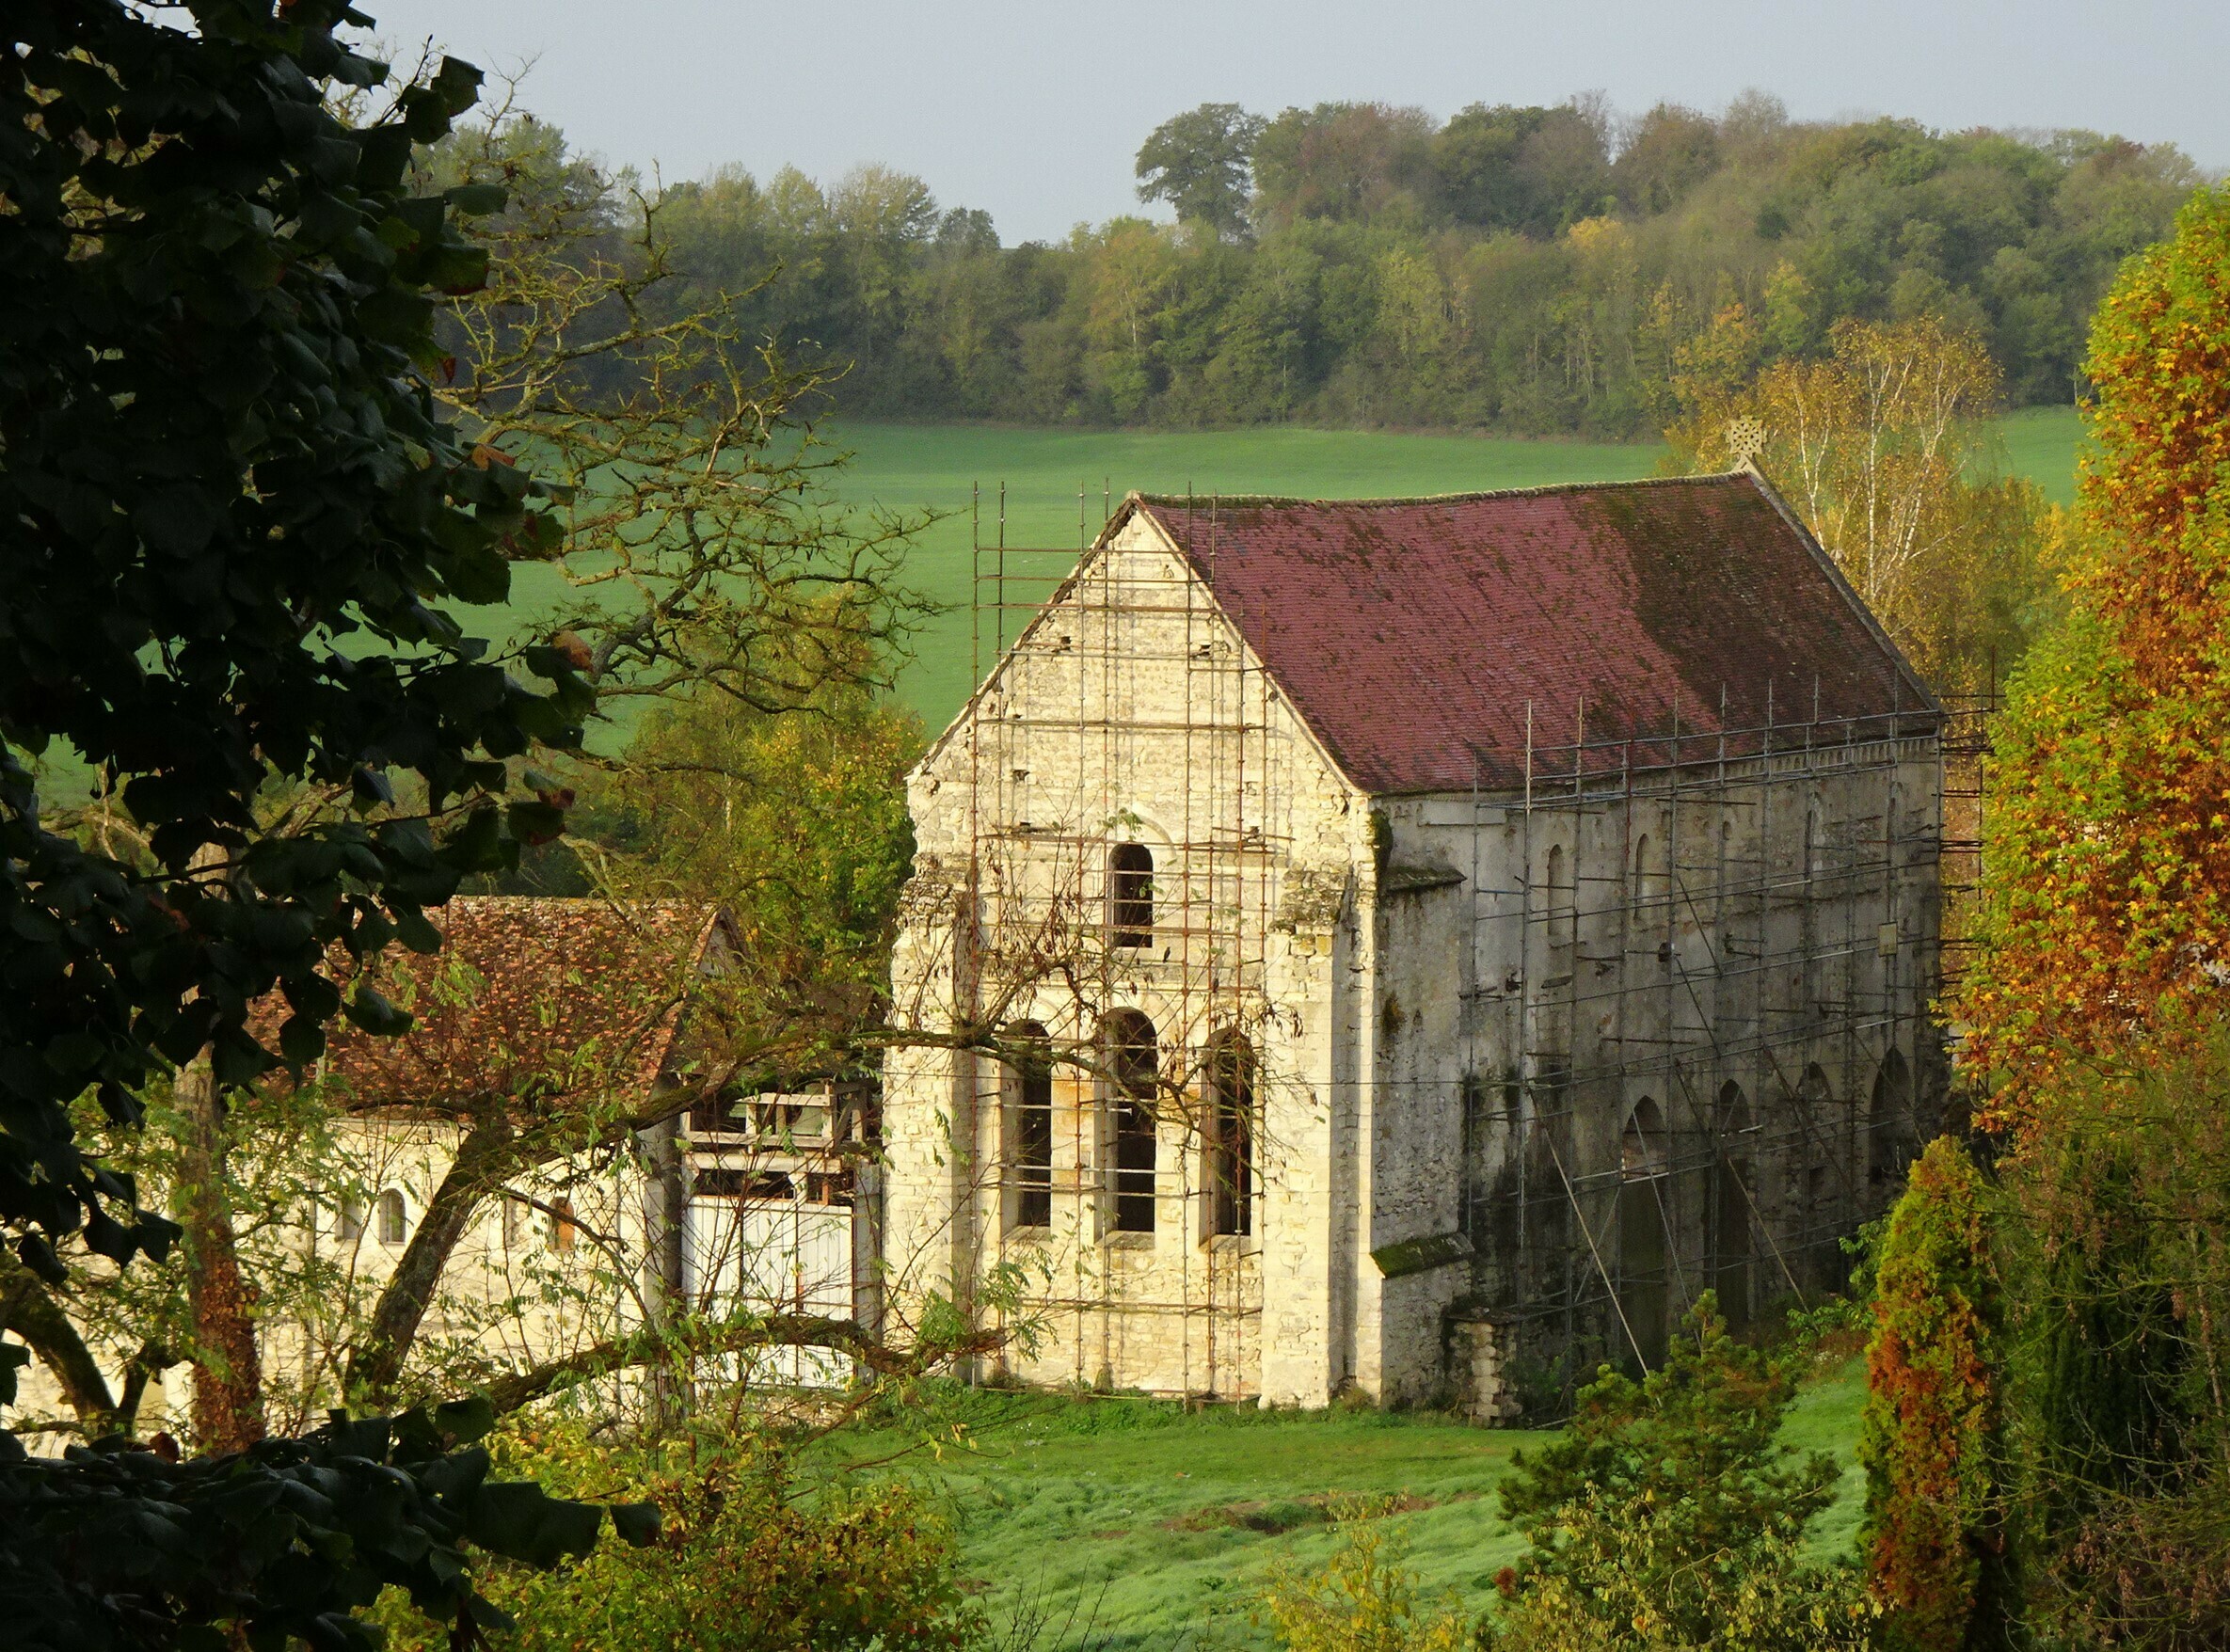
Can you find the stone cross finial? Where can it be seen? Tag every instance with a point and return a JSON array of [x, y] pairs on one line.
[[1746, 440]]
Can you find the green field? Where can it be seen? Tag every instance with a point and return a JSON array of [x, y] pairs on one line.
[[912, 467], [1129, 1524]]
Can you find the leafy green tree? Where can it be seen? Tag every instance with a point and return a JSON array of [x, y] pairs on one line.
[[239, 532], [796, 826], [1341, 161], [1201, 163]]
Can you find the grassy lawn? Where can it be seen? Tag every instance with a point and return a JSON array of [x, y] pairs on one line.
[[1132, 1524]]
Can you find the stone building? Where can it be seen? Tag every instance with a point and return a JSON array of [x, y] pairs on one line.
[[1412, 946]]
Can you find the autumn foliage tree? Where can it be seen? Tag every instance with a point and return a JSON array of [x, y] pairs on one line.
[[1882, 446], [1930, 1439], [2108, 872]]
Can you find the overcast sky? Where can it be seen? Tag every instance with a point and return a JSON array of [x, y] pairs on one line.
[[1033, 111]]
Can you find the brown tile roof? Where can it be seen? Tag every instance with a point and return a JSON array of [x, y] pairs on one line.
[[532, 999], [1411, 634]]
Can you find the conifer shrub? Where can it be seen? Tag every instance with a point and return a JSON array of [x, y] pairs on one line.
[[1930, 1439], [1669, 1516]]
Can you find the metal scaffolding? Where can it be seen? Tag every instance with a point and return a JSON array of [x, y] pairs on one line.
[[1702, 1068], [1045, 814]]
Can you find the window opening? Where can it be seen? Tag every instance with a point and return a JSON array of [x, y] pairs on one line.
[[1130, 894], [1230, 1135], [394, 1224], [1563, 917], [1029, 1150], [1895, 1137], [1731, 1248], [1133, 1056], [1644, 1188], [562, 1229]]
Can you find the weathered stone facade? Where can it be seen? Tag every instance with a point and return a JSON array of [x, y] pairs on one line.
[[1426, 1067]]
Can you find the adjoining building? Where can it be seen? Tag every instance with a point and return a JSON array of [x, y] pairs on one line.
[[1426, 943], [651, 1189]]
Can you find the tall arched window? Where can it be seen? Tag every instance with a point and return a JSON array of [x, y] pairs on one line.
[[1230, 1135], [1133, 1058], [1645, 1186], [1645, 881], [1893, 1135], [392, 1223], [1130, 895], [1029, 1142], [1563, 915], [562, 1229], [1731, 1246]]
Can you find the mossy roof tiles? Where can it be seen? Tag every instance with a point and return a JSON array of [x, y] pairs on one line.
[[1413, 635]]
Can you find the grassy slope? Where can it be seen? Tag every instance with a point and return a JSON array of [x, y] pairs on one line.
[[1131, 1519], [913, 466]]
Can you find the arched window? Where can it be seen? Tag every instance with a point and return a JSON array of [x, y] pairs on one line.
[[1230, 1135], [393, 1222], [1029, 1142], [1645, 880], [1132, 1053], [1563, 917], [1894, 1136], [1130, 895], [1732, 1250], [562, 1229], [1644, 1189], [352, 1217]]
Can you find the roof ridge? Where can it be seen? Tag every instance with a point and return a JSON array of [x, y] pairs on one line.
[[1535, 491]]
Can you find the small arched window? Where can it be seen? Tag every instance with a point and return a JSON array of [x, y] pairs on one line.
[[1029, 1146], [562, 1229], [352, 1217], [1230, 1135], [1130, 894], [393, 1221], [1132, 1053], [1644, 882]]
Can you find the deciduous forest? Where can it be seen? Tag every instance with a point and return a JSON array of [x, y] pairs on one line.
[[1530, 270]]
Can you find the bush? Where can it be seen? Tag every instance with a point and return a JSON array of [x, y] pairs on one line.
[[2116, 1410], [1627, 1574], [1363, 1599], [746, 1562]]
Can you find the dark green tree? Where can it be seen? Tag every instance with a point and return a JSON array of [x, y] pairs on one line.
[[1201, 162], [237, 527], [237, 534]]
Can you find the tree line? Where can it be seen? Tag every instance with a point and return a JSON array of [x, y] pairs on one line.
[[1522, 269]]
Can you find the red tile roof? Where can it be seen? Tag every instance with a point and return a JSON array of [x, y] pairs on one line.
[[532, 999], [1412, 635]]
